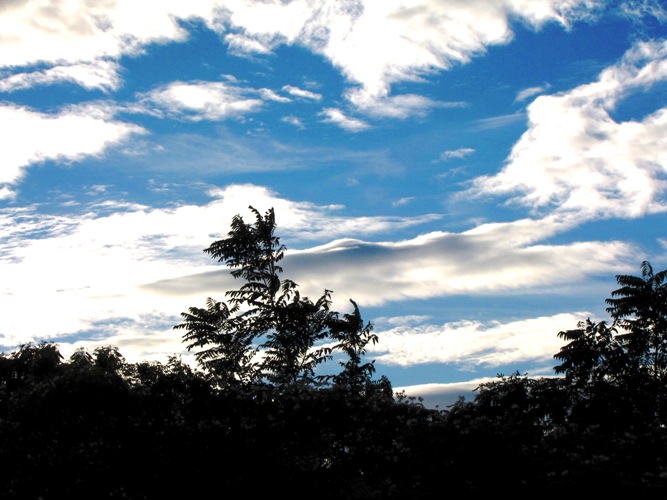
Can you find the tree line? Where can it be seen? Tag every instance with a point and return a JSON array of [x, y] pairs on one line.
[[283, 402]]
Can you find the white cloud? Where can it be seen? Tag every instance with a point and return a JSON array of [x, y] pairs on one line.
[[398, 106], [270, 21], [496, 258], [100, 74], [402, 201], [30, 137], [337, 117], [270, 95], [81, 31], [443, 395], [243, 46], [88, 271], [493, 258], [375, 44], [470, 344], [204, 100], [639, 9], [302, 222], [456, 153], [297, 92], [526, 94], [576, 159], [498, 121], [293, 120]]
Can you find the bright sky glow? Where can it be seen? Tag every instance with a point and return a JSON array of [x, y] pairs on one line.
[[472, 173]]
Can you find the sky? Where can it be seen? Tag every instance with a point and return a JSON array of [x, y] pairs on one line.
[[473, 174]]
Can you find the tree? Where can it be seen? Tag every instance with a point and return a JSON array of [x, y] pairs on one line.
[[353, 337], [639, 307], [267, 317], [587, 358], [622, 369]]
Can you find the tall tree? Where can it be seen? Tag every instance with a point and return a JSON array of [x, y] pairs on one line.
[[623, 367], [639, 308], [265, 314]]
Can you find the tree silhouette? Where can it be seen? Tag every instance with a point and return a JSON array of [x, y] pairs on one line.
[[639, 308], [622, 369], [353, 337], [268, 318], [589, 355]]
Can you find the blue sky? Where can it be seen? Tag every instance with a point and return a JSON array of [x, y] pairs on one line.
[[472, 173]]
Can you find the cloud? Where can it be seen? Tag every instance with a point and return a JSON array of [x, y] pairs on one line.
[[243, 46], [197, 101], [302, 222], [337, 117], [398, 106], [456, 153], [443, 395], [469, 344], [270, 95], [638, 10], [121, 276], [185, 154], [576, 159], [498, 121], [489, 259], [403, 201], [100, 74], [89, 270], [30, 137], [293, 120], [306, 94], [81, 31], [530, 92], [374, 44]]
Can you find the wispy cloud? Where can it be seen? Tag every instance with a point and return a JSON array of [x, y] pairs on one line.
[[337, 117], [456, 153], [293, 120], [30, 137], [574, 158], [526, 94], [243, 46], [402, 201], [498, 121], [306, 94], [398, 106], [639, 10], [99, 74], [205, 100]]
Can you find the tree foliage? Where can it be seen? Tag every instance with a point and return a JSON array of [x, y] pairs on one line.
[[627, 360], [268, 318]]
